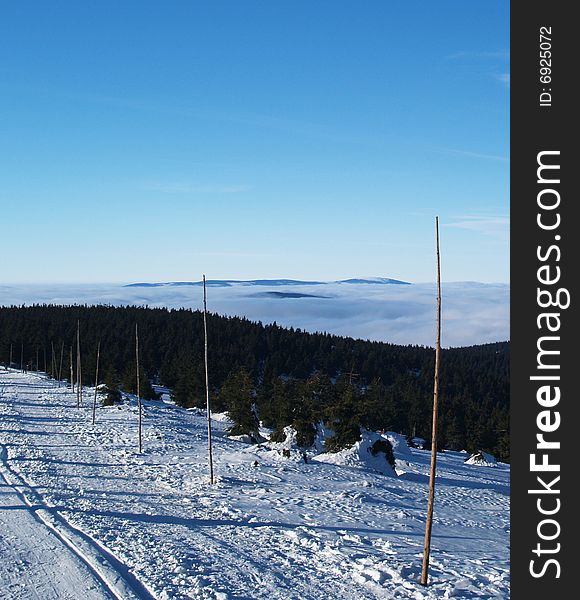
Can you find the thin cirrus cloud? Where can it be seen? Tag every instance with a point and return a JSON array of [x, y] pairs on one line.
[[484, 54], [485, 57], [225, 115], [175, 187], [487, 225], [479, 155], [504, 78]]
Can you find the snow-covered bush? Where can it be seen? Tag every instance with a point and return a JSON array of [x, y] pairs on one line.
[[481, 459], [385, 447], [361, 455]]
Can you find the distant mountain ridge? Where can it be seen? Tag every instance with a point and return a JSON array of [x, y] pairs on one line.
[[269, 282]]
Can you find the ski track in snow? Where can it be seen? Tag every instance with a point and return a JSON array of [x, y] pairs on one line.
[[83, 515], [33, 562]]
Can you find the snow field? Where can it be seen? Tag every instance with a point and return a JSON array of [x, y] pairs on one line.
[[150, 525]]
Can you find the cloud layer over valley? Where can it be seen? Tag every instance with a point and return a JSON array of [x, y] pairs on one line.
[[473, 313]]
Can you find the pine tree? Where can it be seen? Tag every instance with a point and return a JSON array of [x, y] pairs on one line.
[[304, 416], [237, 395], [112, 385], [264, 402], [130, 382], [189, 391], [280, 407], [344, 419], [377, 409]]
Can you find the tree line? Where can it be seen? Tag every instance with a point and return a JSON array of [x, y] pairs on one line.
[[279, 376]]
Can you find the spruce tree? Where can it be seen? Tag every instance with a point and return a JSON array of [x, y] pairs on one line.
[[189, 391], [303, 413], [376, 407], [112, 384], [344, 419], [237, 395], [146, 391]]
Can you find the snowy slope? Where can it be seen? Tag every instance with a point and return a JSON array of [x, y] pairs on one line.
[[126, 525], [34, 562]]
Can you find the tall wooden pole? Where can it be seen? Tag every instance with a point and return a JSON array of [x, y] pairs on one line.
[[96, 382], [138, 390], [10, 365], [60, 365], [53, 360], [72, 379], [79, 372], [210, 457], [429, 523], [22, 358]]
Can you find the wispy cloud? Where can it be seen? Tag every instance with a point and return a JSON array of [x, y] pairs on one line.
[[484, 54], [496, 57], [504, 78], [480, 155], [496, 226], [176, 187], [225, 114], [238, 254]]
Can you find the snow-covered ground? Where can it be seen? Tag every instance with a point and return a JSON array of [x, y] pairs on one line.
[[83, 515]]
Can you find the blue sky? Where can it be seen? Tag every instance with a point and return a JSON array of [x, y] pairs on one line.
[[155, 141]]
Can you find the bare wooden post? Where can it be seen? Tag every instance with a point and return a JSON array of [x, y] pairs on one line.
[[37, 359], [60, 365], [22, 358], [72, 379], [139, 407], [53, 361], [96, 382], [210, 457], [79, 371], [429, 522], [10, 365]]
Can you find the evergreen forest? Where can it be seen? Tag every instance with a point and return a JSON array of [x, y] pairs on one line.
[[270, 374]]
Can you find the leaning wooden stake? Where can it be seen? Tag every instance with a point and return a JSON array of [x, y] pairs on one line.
[[210, 457], [429, 523], [96, 382], [138, 391]]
